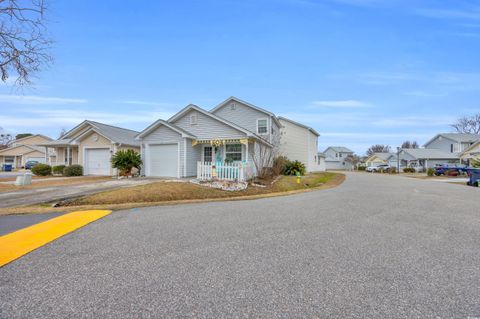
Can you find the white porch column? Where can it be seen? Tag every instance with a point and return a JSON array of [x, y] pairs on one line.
[[68, 156], [15, 161], [47, 158], [246, 152]]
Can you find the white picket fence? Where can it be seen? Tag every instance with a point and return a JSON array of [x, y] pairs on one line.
[[221, 171]]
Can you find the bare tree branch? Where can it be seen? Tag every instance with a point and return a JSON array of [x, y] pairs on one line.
[[378, 148], [468, 124], [24, 44]]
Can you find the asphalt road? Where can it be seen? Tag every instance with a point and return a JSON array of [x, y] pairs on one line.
[[11, 223], [375, 247]]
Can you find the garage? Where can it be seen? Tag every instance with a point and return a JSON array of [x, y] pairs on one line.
[[37, 159], [163, 160], [97, 161]]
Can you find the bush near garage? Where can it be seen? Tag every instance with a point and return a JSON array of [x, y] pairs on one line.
[[294, 167], [409, 170], [73, 170], [430, 171], [361, 168], [58, 169], [125, 161], [42, 169]]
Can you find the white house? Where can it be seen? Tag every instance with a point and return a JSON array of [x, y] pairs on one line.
[[300, 142], [337, 158]]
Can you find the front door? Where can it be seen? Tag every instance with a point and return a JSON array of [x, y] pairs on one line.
[[207, 154]]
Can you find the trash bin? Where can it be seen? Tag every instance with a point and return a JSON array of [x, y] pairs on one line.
[[7, 167], [474, 177]]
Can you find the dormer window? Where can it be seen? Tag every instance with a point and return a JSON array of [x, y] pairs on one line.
[[193, 119], [262, 126]]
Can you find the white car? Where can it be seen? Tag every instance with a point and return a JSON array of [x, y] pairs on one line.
[[373, 169]]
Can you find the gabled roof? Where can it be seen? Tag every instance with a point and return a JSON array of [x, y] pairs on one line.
[[233, 98], [31, 136], [164, 123], [114, 133], [281, 118], [457, 137], [429, 153], [30, 147], [320, 154], [213, 116], [339, 149]]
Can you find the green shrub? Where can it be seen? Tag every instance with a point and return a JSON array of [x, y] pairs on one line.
[[392, 170], [409, 170], [361, 168], [42, 169], [58, 170], [125, 161], [294, 167], [73, 170], [430, 171], [475, 163]]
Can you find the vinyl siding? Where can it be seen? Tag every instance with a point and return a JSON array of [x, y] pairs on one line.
[[246, 117], [32, 140], [207, 127], [164, 135], [194, 155], [445, 145]]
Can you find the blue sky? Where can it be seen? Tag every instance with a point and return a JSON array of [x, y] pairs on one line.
[[359, 71]]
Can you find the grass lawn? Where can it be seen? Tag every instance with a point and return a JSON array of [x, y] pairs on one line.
[[53, 181], [160, 193]]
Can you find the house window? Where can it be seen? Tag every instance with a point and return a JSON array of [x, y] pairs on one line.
[[9, 159], [336, 154], [193, 119], [341, 154], [67, 156], [233, 152], [262, 126], [207, 154], [233, 106]]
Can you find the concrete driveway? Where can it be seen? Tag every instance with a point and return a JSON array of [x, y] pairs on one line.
[[48, 194], [376, 247]]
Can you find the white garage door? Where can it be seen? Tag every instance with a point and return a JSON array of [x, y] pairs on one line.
[[163, 160], [97, 161]]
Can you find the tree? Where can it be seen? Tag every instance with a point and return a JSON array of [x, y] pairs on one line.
[[5, 139], [22, 135], [378, 148], [468, 124], [408, 144], [24, 43], [125, 161]]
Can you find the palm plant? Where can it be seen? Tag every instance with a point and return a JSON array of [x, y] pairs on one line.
[[125, 161]]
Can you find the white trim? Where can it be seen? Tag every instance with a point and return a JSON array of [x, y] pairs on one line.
[[184, 157], [148, 167], [91, 129], [156, 124], [268, 126], [84, 148]]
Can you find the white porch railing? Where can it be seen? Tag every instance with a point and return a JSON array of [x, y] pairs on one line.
[[221, 171]]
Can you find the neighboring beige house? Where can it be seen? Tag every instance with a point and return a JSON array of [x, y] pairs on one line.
[[27, 149], [92, 144], [381, 158], [299, 142], [471, 153]]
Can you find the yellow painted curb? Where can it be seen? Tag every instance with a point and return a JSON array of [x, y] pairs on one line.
[[23, 241]]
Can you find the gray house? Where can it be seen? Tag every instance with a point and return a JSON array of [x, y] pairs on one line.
[[336, 158], [423, 158], [452, 142], [227, 142]]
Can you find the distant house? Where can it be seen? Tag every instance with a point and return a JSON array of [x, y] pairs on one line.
[[321, 162], [424, 158], [337, 158], [452, 142], [300, 143], [26, 149], [381, 158]]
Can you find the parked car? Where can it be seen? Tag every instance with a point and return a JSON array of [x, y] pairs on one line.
[[442, 169], [381, 167], [30, 164]]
